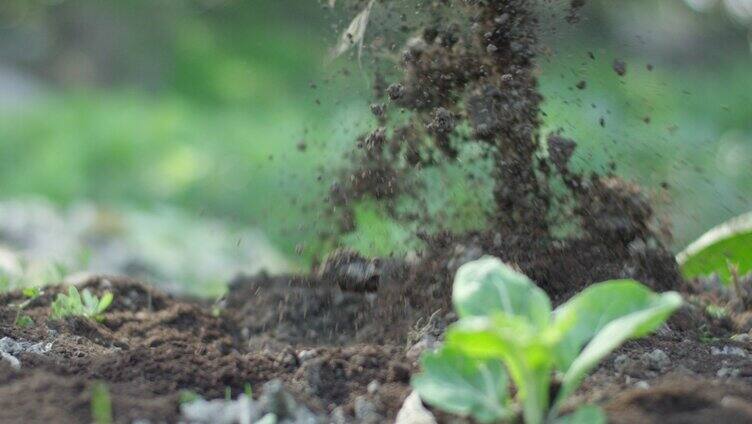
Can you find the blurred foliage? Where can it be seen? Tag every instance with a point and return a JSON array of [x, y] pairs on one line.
[[725, 251], [232, 109]]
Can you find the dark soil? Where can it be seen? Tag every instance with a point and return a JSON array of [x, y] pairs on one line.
[[335, 346]]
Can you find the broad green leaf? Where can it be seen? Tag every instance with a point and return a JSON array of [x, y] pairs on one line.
[[728, 243], [613, 334], [579, 319], [587, 414], [522, 348], [487, 286], [454, 382]]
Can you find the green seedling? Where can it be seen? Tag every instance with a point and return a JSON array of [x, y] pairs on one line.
[[80, 304], [101, 404], [508, 330], [716, 312], [248, 390], [22, 320], [188, 396], [711, 254]]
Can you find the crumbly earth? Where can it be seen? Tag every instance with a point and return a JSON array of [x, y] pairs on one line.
[[343, 352]]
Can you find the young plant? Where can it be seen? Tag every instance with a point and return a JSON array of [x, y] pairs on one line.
[[23, 320], [77, 304], [507, 328], [101, 404]]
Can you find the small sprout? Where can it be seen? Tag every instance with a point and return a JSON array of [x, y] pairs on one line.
[[248, 390], [101, 404], [716, 312], [228, 394], [31, 292], [188, 396], [508, 331], [22, 320], [77, 304]]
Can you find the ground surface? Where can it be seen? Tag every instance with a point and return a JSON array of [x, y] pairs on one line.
[[343, 342]]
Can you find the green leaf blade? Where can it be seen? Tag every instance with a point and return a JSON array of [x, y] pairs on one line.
[[587, 414], [634, 325], [105, 302], [457, 383], [582, 317], [519, 345], [487, 286], [728, 243]]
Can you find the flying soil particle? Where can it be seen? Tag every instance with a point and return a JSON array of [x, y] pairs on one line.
[[620, 67], [471, 84]]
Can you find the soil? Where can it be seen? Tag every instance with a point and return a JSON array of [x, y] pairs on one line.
[[344, 339], [338, 349]]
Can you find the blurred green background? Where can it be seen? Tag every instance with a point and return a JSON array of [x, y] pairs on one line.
[[232, 110]]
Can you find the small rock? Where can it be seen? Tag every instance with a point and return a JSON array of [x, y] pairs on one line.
[[10, 359], [305, 355], [657, 360], [220, 411], [338, 416], [622, 363], [365, 411], [642, 384], [413, 412], [728, 372], [276, 400], [11, 348], [728, 350], [373, 387]]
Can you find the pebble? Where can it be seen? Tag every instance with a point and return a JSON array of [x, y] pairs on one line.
[[621, 363], [373, 387], [729, 350], [365, 411], [413, 412], [728, 372], [305, 355], [657, 360], [10, 348]]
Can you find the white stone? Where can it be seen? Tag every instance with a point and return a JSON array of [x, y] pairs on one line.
[[413, 412]]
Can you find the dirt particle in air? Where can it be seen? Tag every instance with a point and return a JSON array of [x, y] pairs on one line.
[[620, 67]]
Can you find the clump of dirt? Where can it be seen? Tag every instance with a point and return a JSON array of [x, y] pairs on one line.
[[684, 400], [466, 82]]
